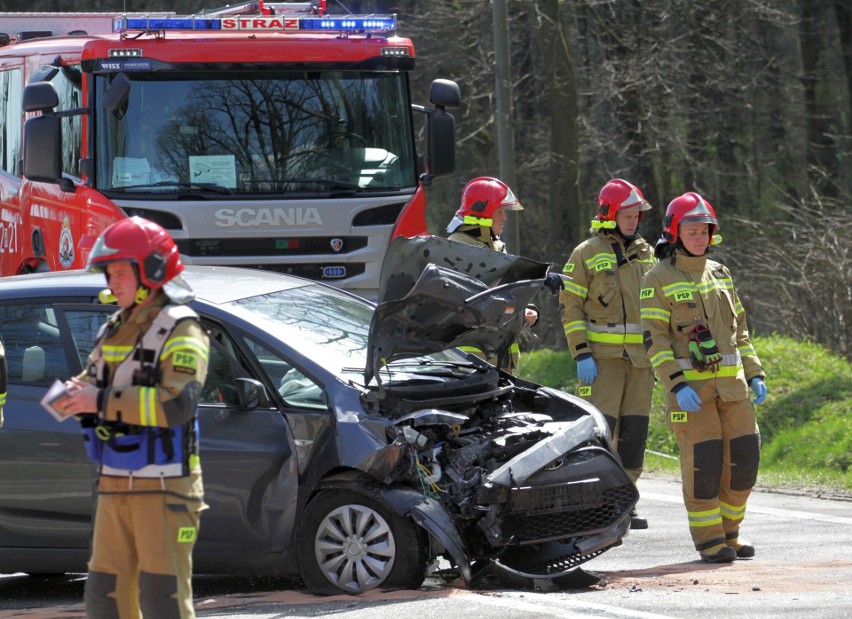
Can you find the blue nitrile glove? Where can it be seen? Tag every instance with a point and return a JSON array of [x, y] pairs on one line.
[[587, 370], [759, 388], [554, 283], [688, 400]]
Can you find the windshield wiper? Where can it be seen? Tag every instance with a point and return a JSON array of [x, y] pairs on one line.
[[180, 185], [423, 361], [329, 182]]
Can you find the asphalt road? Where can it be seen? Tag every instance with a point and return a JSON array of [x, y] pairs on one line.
[[803, 568]]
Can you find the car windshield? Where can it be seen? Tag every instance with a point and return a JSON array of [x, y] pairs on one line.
[[329, 327], [256, 132]]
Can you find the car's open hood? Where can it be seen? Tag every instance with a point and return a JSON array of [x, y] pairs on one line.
[[437, 294]]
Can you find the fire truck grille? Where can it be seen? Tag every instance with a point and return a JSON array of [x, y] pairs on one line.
[[558, 512], [281, 246], [318, 272]]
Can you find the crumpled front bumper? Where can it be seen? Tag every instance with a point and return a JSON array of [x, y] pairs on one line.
[[556, 560]]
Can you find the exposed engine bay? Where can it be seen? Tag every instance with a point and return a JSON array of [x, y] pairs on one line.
[[527, 474]]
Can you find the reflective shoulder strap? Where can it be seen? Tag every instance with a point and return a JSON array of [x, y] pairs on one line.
[[163, 324]]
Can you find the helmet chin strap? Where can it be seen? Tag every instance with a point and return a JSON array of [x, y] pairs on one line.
[[626, 237], [689, 253], [142, 294], [486, 233]]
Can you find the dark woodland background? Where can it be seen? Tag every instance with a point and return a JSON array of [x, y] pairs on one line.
[[748, 102]]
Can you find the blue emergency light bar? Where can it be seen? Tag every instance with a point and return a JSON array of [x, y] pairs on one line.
[[259, 23]]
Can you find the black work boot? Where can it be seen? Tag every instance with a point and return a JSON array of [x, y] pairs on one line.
[[720, 553], [636, 522], [744, 548]]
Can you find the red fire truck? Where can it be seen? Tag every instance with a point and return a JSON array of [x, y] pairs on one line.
[[272, 136]]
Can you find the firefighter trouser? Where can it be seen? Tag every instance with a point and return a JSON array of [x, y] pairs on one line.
[[141, 563], [622, 392], [719, 457]]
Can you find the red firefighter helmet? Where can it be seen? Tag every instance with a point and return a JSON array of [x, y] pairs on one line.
[[481, 197], [615, 196], [143, 243], [688, 208]]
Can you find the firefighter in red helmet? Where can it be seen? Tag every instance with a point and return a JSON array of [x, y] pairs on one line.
[[695, 332], [479, 221], [482, 214], [601, 321], [136, 403]]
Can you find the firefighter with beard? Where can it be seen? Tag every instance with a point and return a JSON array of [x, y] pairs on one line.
[[697, 339], [136, 401], [602, 324], [479, 221]]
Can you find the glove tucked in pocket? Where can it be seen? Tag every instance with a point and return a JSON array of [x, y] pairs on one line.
[[703, 352]]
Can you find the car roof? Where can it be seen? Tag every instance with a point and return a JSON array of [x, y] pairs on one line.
[[206, 282]]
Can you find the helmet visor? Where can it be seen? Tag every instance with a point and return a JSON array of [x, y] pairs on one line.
[[510, 202], [102, 254]]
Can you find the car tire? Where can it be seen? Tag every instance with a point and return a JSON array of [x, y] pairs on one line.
[[351, 543]]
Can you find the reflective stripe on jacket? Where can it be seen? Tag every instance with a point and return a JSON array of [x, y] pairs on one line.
[[150, 365], [676, 295], [601, 298]]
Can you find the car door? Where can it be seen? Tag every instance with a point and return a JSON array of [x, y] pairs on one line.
[[46, 487], [248, 463]]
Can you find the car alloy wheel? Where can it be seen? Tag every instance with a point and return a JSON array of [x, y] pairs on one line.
[[350, 543]]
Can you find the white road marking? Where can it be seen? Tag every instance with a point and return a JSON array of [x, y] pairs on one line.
[[755, 509], [544, 609]]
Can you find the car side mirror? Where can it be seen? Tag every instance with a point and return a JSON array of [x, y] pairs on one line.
[[251, 394]]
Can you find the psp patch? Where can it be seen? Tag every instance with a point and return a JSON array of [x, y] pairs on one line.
[[584, 391], [185, 362], [647, 293], [186, 535], [679, 417]]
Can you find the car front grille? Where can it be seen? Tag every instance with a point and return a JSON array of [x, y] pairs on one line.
[[559, 512]]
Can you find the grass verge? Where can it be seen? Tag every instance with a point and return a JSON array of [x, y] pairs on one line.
[[805, 423]]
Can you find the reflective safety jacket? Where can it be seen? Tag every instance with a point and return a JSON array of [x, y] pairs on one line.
[[601, 298], [677, 294], [3, 379], [150, 367]]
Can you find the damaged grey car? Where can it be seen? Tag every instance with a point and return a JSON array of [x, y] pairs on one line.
[[352, 446]]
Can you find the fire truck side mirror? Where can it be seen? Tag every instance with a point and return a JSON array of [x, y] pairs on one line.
[[441, 128], [40, 97], [445, 93], [42, 150], [115, 97]]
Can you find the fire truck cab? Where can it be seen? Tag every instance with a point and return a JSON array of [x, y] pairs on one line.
[[262, 135]]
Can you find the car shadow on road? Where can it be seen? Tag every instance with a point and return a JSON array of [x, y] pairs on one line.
[[24, 591]]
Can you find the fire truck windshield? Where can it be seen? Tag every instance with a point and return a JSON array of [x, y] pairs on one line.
[[256, 133]]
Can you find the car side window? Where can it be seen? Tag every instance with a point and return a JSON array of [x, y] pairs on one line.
[[34, 351], [297, 389], [220, 387], [84, 326]]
